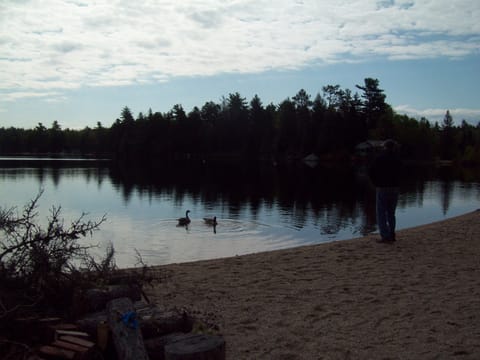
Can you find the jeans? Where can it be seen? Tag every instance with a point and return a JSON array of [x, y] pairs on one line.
[[387, 198]]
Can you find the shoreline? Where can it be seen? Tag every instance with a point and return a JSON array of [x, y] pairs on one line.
[[416, 298]]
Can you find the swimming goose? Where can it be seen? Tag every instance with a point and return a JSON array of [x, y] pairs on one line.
[[184, 220], [211, 221]]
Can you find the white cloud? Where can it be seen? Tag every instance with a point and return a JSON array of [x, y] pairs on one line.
[[54, 44], [472, 116]]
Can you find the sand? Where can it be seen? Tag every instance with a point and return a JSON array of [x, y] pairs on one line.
[[418, 298]]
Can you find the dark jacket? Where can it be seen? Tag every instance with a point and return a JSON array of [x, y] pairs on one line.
[[386, 170]]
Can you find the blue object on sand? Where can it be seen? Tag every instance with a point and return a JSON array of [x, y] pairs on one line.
[[130, 319]]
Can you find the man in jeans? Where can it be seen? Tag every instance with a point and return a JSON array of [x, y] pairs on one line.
[[385, 175]]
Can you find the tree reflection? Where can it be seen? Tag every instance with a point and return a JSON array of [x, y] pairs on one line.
[[332, 198]]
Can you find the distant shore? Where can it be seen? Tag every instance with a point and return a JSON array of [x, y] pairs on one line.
[[418, 298]]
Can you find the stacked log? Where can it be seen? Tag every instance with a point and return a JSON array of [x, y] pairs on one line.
[[126, 328], [69, 344]]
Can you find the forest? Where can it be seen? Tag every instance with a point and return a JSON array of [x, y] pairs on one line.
[[330, 125]]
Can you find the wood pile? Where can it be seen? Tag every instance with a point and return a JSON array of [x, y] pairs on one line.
[[69, 344], [59, 340], [122, 329]]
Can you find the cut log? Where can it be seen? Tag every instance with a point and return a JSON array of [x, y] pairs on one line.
[[56, 353], [50, 332], [102, 335], [156, 346], [126, 334], [80, 334], [77, 341], [50, 321], [65, 326], [70, 346], [156, 322], [196, 347]]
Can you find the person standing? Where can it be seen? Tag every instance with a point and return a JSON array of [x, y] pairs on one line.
[[385, 173]]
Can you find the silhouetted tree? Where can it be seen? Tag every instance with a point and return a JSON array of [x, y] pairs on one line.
[[55, 138], [304, 144], [332, 124], [287, 128], [236, 118], [374, 102], [211, 117], [447, 137], [126, 115]]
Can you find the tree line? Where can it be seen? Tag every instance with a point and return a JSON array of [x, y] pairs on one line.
[[329, 125]]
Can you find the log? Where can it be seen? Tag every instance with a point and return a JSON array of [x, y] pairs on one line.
[[64, 326], [57, 353], [77, 341], [49, 321], [156, 322], [196, 347], [51, 331], [81, 334], [97, 327], [126, 334], [70, 346], [156, 346], [102, 335]]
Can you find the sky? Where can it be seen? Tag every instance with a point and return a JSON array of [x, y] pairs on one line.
[[81, 62]]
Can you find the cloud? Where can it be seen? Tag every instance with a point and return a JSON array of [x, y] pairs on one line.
[[56, 45], [51, 96], [472, 116]]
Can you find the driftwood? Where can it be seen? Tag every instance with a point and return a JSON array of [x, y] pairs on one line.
[[196, 347], [126, 334]]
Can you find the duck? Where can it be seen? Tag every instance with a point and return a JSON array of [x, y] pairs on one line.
[[184, 220], [211, 221]]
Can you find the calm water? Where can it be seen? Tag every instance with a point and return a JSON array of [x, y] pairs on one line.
[[259, 208]]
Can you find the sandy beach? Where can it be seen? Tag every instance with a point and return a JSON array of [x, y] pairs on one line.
[[418, 298]]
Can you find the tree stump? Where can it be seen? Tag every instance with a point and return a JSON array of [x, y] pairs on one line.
[[158, 322], [196, 347], [156, 346], [126, 334]]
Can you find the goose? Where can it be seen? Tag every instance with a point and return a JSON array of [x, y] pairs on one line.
[[211, 221], [184, 220]]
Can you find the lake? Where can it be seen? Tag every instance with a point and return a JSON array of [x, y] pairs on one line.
[[259, 207]]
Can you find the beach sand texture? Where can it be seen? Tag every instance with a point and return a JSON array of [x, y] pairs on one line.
[[418, 298]]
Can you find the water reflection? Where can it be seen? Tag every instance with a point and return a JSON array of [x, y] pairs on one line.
[[258, 207], [331, 197]]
